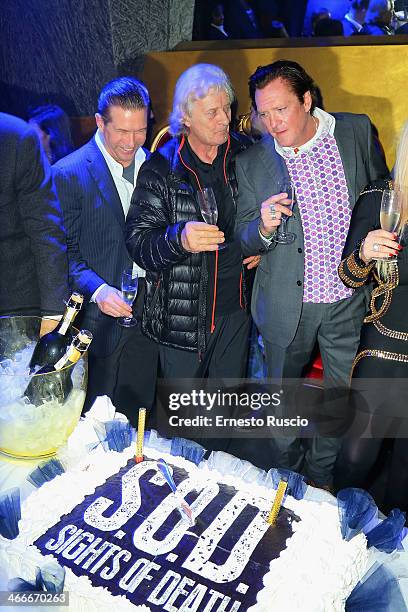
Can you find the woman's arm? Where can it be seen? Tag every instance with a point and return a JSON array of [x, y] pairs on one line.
[[353, 270]]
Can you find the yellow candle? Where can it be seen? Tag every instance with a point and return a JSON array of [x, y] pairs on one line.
[[140, 434], [280, 492]]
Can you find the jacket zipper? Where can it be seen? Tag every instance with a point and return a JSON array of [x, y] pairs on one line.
[[212, 326], [154, 299]]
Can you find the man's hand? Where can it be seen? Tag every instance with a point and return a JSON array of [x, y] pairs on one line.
[[110, 302], [271, 213], [199, 236], [252, 261], [47, 325]]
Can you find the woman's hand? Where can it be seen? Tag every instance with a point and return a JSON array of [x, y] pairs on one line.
[[379, 244]]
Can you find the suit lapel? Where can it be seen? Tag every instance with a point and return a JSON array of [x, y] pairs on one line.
[[276, 170], [101, 175], [346, 143], [274, 164]]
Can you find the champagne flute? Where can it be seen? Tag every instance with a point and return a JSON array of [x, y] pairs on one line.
[[390, 213], [403, 234], [282, 236], [209, 208], [130, 281]]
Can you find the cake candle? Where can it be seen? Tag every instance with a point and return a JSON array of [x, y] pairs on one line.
[[140, 434], [276, 506]]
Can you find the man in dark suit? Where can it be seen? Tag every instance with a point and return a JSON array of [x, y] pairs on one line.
[[379, 18], [298, 298], [95, 185], [354, 19], [216, 28], [240, 19], [33, 260]]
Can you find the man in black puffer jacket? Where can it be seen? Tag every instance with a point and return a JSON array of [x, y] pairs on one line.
[[197, 299]]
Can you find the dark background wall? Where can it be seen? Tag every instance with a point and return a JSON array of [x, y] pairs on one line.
[[55, 52], [63, 51]]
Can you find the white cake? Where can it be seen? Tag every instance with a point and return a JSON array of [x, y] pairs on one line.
[[219, 567]]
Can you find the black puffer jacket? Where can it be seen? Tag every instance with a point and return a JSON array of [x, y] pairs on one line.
[[176, 280]]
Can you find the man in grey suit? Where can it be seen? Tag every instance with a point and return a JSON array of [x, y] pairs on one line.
[[298, 298], [95, 186]]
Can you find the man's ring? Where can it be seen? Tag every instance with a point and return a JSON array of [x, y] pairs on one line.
[[376, 247], [273, 211]]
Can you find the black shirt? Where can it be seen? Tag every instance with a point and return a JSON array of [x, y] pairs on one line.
[[229, 258]]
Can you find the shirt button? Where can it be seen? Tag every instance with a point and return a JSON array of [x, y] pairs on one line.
[[299, 283], [261, 250], [299, 250]]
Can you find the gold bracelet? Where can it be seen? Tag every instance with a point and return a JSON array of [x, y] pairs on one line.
[[349, 282], [356, 269]]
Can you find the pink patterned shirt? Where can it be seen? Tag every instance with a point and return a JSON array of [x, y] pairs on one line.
[[323, 202]]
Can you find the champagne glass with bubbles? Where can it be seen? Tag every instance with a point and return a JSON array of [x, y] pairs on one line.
[[209, 208], [130, 282], [390, 212]]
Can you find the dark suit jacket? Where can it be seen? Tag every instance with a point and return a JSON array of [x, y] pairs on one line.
[[95, 225], [215, 34], [348, 28], [237, 23], [33, 259], [278, 289]]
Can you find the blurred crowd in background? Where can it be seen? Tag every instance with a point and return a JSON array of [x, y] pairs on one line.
[[254, 19]]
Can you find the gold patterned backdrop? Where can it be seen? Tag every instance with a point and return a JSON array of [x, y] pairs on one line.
[[361, 79]]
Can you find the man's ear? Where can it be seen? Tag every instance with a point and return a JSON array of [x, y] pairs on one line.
[[307, 101], [99, 121]]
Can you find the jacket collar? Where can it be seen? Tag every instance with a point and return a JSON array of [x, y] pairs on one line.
[[170, 151], [274, 163], [186, 165], [100, 173], [346, 143]]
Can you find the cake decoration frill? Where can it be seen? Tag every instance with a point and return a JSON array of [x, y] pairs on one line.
[[114, 526]]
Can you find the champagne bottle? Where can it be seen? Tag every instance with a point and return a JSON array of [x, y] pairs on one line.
[[53, 381], [53, 345]]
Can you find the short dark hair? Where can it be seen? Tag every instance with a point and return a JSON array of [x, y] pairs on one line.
[[126, 92], [216, 9], [329, 27], [54, 121], [291, 72], [320, 13], [360, 5]]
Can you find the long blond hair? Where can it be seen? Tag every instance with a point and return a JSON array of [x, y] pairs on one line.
[[401, 171]]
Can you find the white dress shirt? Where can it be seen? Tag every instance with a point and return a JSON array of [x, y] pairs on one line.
[[327, 124], [356, 24], [220, 28], [123, 187]]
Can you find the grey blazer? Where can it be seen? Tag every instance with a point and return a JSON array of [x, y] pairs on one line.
[[278, 289]]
